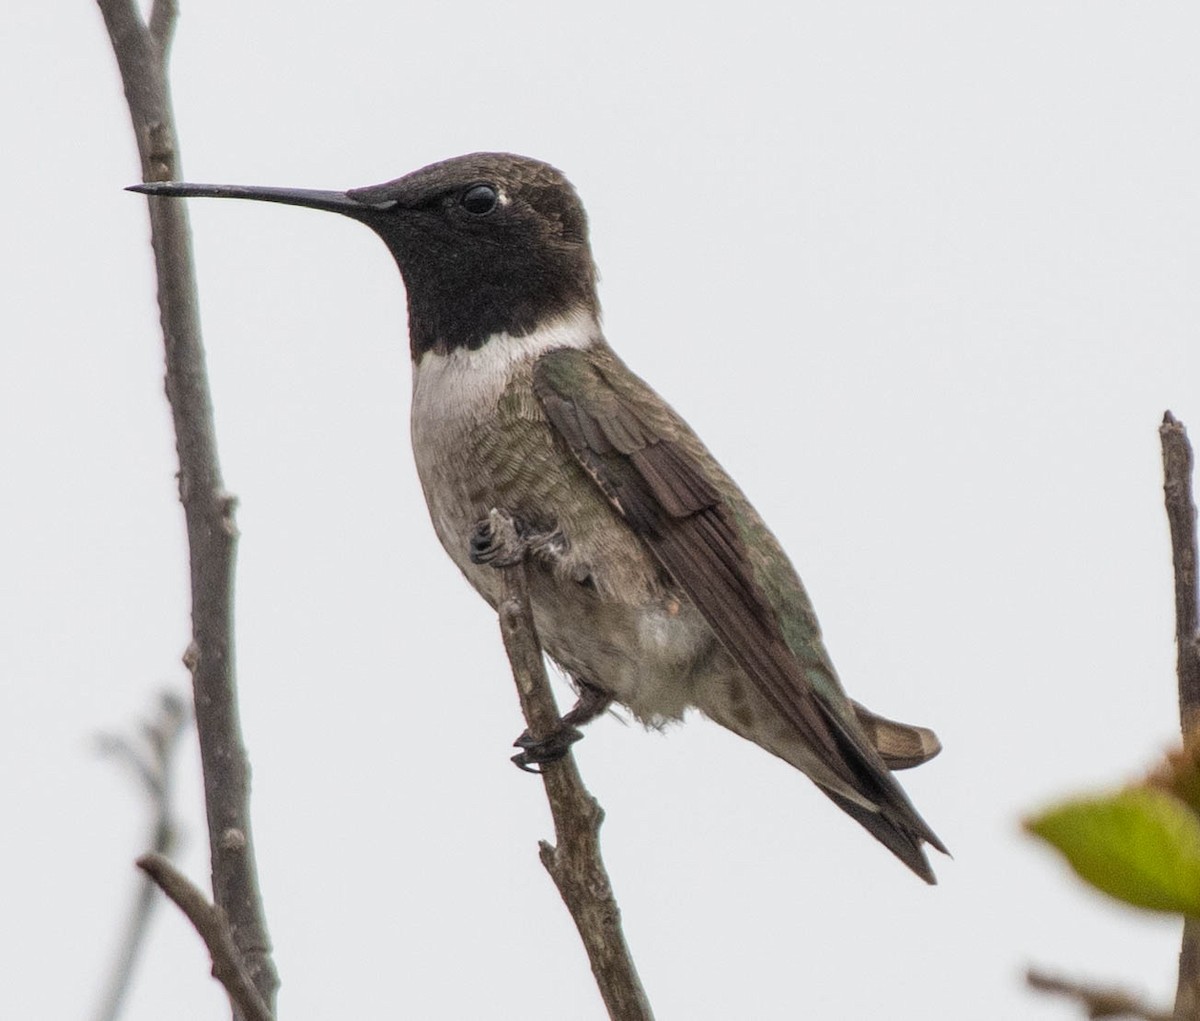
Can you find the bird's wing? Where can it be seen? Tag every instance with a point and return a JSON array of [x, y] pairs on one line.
[[668, 498]]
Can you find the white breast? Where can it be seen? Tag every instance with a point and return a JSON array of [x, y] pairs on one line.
[[465, 384], [454, 396]]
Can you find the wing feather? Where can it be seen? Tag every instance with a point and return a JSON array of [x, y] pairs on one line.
[[667, 497]]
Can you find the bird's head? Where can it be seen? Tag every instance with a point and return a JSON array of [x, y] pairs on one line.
[[487, 243]]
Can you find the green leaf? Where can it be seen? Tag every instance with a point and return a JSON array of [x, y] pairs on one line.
[[1140, 845]]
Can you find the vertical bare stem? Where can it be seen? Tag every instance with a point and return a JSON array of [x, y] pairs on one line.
[[1181, 513], [574, 863], [1178, 465], [141, 50]]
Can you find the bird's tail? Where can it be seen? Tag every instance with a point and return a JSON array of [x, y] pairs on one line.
[[903, 842], [893, 820], [869, 748], [900, 745]]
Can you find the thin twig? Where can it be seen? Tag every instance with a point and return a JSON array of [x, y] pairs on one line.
[[141, 52], [574, 862], [164, 15], [1098, 1001], [1181, 514], [210, 922], [152, 760]]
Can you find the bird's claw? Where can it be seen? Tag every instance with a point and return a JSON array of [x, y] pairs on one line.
[[501, 540], [551, 748], [497, 541]]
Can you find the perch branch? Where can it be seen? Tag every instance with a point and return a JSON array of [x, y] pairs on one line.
[[151, 761], [141, 52], [1181, 514], [210, 922], [1098, 1001], [574, 861]]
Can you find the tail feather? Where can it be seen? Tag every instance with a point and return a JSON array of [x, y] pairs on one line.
[[901, 745], [901, 841], [885, 812], [858, 776]]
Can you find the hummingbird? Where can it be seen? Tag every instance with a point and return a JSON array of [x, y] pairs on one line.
[[653, 581]]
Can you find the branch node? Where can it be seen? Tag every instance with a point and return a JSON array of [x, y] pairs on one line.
[[160, 152], [226, 509], [233, 839], [191, 657]]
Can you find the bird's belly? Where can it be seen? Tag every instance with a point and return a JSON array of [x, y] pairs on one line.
[[601, 612], [598, 617], [650, 656]]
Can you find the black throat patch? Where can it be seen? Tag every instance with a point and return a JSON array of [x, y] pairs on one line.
[[487, 243]]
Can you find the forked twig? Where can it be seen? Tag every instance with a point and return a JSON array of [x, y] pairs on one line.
[[210, 921]]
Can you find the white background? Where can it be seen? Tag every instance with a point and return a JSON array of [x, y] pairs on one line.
[[923, 276]]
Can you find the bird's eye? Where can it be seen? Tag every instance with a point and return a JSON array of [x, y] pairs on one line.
[[479, 199]]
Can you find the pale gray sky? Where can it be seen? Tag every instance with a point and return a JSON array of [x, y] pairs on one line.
[[922, 275]]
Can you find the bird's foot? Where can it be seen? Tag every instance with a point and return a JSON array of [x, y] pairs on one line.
[[501, 540], [551, 748], [592, 702]]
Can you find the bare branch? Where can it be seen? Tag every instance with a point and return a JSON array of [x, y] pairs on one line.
[[152, 765], [210, 922], [1097, 1001], [1181, 514], [574, 863], [141, 53], [164, 15]]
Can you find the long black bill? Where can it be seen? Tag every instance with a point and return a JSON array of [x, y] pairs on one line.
[[331, 201]]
